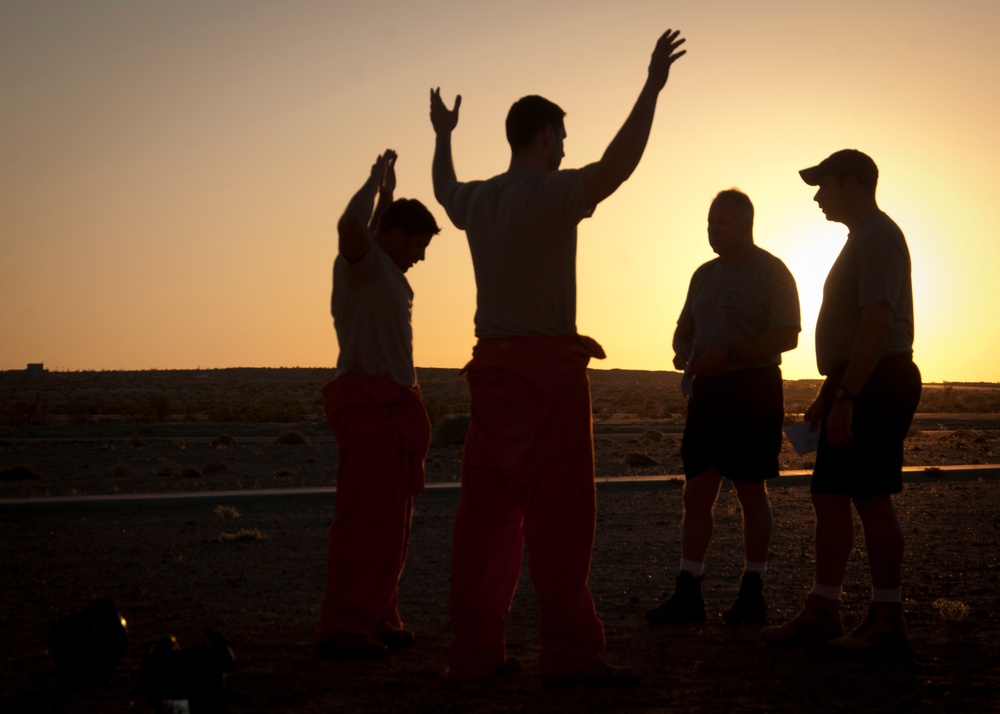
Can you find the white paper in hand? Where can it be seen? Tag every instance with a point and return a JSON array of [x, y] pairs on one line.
[[803, 440]]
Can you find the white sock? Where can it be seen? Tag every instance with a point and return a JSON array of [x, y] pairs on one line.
[[831, 592], [694, 567], [887, 594], [751, 567]]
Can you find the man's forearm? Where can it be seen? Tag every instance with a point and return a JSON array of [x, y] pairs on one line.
[[626, 149], [623, 153], [359, 208], [868, 345], [442, 167], [683, 340], [773, 342], [384, 201]]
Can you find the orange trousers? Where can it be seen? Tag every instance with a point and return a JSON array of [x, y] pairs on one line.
[[383, 434], [527, 478]]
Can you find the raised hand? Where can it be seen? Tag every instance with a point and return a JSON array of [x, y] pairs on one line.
[[387, 181], [381, 168], [664, 55], [443, 120]]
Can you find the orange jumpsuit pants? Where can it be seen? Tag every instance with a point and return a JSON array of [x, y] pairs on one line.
[[383, 434], [527, 477]]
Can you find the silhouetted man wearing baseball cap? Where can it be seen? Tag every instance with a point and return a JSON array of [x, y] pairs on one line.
[[864, 347]]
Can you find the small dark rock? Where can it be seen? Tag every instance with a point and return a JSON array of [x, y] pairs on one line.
[[19, 473], [639, 460]]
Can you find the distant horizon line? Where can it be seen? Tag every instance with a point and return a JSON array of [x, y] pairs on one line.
[[38, 367]]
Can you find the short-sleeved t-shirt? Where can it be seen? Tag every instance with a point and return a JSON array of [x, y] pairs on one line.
[[372, 304], [521, 229], [873, 267], [732, 304]]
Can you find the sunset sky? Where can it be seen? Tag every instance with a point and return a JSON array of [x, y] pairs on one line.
[[171, 173]]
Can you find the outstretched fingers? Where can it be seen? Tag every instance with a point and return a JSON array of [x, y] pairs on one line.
[[384, 169], [670, 41], [388, 178], [442, 118], [665, 54]]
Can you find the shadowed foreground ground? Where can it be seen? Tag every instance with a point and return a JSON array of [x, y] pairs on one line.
[[167, 569]]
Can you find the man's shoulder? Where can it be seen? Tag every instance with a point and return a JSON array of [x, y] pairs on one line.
[[374, 259], [767, 259], [479, 183], [879, 235], [706, 269], [528, 191], [464, 191], [880, 224]]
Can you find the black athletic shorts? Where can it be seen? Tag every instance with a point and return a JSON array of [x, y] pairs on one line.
[[872, 464], [734, 424]]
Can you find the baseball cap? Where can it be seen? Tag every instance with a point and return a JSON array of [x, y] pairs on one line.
[[843, 163]]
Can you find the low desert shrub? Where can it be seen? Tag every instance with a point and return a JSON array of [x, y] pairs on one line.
[[122, 468], [292, 438], [949, 398], [169, 469], [257, 411], [227, 512], [951, 610], [451, 431], [241, 535], [19, 412], [158, 406]]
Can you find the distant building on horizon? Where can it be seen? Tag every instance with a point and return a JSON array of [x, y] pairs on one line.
[[35, 370]]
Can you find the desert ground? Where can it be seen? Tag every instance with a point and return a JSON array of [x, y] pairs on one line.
[[200, 500]]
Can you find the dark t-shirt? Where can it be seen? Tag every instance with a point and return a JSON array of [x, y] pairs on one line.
[[873, 267], [732, 304]]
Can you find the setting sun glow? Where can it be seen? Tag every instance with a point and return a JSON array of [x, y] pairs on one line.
[[172, 173]]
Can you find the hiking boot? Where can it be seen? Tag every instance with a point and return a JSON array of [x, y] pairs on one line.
[[818, 623], [883, 630], [684, 606], [598, 675], [510, 666], [394, 637], [346, 645], [750, 607]]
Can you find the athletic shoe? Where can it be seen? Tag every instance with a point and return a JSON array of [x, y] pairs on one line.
[[750, 607], [684, 606], [818, 623], [883, 630], [510, 666], [346, 645]]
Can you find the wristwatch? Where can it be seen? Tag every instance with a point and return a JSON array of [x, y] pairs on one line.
[[842, 393]]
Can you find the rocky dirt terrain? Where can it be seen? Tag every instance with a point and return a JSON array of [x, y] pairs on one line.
[[245, 560]]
